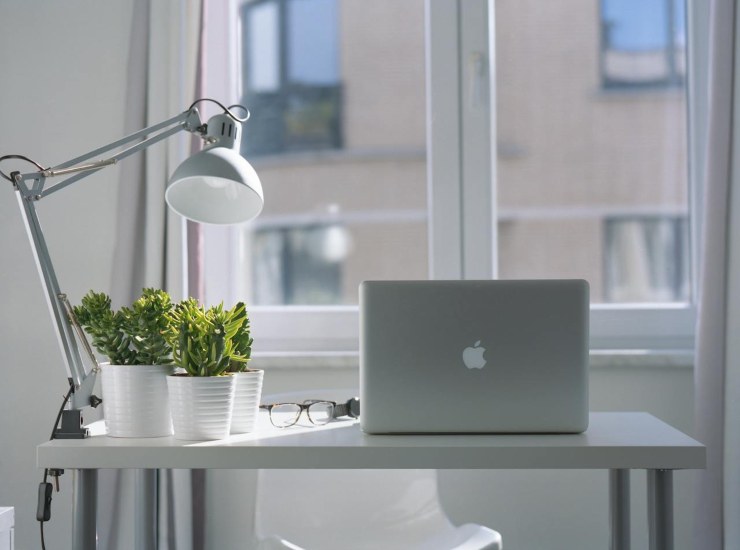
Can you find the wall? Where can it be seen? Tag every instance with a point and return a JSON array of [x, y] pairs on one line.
[[63, 67]]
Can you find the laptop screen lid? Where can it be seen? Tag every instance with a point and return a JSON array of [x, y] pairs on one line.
[[474, 356]]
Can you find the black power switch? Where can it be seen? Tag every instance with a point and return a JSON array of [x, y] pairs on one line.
[[43, 508]]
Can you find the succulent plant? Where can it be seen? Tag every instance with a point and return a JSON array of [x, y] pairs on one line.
[[242, 341], [207, 342], [145, 323], [131, 336]]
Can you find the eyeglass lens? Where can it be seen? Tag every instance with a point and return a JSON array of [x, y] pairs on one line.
[[287, 414], [320, 412]]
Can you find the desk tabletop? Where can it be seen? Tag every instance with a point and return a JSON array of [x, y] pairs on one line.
[[613, 440]]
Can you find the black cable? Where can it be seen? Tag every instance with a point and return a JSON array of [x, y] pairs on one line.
[[61, 409], [243, 108], [20, 157], [227, 110], [43, 542]]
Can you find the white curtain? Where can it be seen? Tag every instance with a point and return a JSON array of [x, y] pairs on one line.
[[718, 346], [150, 247]]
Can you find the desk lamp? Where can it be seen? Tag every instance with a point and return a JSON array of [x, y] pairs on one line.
[[216, 185]]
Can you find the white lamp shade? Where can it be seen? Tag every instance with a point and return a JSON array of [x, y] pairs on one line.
[[216, 185]]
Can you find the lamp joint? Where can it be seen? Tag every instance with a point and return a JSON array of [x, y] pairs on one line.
[[15, 178]]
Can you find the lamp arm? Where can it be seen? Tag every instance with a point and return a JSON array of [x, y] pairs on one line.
[[188, 120], [30, 188], [65, 337]]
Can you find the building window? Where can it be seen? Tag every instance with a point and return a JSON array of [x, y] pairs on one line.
[[299, 265], [291, 76], [647, 259], [643, 43]]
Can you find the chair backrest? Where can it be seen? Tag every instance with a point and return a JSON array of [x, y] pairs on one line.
[[349, 508]]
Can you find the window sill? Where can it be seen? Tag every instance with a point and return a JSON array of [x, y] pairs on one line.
[[598, 359], [679, 358], [338, 156], [640, 92], [305, 360]]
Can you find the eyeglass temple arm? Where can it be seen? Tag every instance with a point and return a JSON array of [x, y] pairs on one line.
[[351, 408]]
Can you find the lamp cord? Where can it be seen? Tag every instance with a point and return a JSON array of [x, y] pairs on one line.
[[227, 110], [19, 157], [53, 435]]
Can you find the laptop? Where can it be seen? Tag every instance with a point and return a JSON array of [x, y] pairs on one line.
[[474, 356]]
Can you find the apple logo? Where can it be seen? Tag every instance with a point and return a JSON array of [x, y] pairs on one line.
[[473, 356]]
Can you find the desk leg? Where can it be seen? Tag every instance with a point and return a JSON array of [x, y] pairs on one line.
[[619, 509], [145, 520], [84, 506], [660, 509]]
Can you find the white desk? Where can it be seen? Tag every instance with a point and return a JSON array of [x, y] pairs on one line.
[[614, 441]]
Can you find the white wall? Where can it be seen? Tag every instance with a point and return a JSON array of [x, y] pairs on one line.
[[62, 67]]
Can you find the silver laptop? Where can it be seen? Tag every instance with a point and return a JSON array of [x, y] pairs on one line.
[[474, 356]]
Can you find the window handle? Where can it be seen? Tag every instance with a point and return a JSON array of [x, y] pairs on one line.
[[477, 82]]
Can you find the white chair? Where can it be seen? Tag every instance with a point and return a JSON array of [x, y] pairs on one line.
[[359, 509]]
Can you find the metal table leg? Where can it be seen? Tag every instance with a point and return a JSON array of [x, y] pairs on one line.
[[660, 509], [145, 519], [619, 509], [84, 507]]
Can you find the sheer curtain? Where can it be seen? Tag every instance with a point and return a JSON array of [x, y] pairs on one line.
[[150, 252], [718, 347]]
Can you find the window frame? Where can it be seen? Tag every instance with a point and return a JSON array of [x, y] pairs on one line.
[[460, 59]]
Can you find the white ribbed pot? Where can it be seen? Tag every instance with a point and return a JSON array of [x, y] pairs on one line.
[[135, 400], [201, 405], [246, 401]]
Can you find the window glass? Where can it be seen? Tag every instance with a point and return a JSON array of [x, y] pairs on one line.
[[339, 144], [312, 52], [263, 49], [591, 182], [646, 259], [300, 265], [643, 42]]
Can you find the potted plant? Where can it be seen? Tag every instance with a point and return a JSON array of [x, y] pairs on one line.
[[248, 381], [203, 345], [134, 380]]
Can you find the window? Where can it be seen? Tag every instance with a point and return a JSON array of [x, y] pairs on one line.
[[568, 161], [646, 259], [643, 43], [299, 265], [533, 171], [338, 136], [291, 75]]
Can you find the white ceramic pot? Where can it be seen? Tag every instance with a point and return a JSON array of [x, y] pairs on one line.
[[201, 406], [135, 400], [246, 401]]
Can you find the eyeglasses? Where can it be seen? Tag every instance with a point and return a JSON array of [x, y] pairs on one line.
[[283, 415]]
